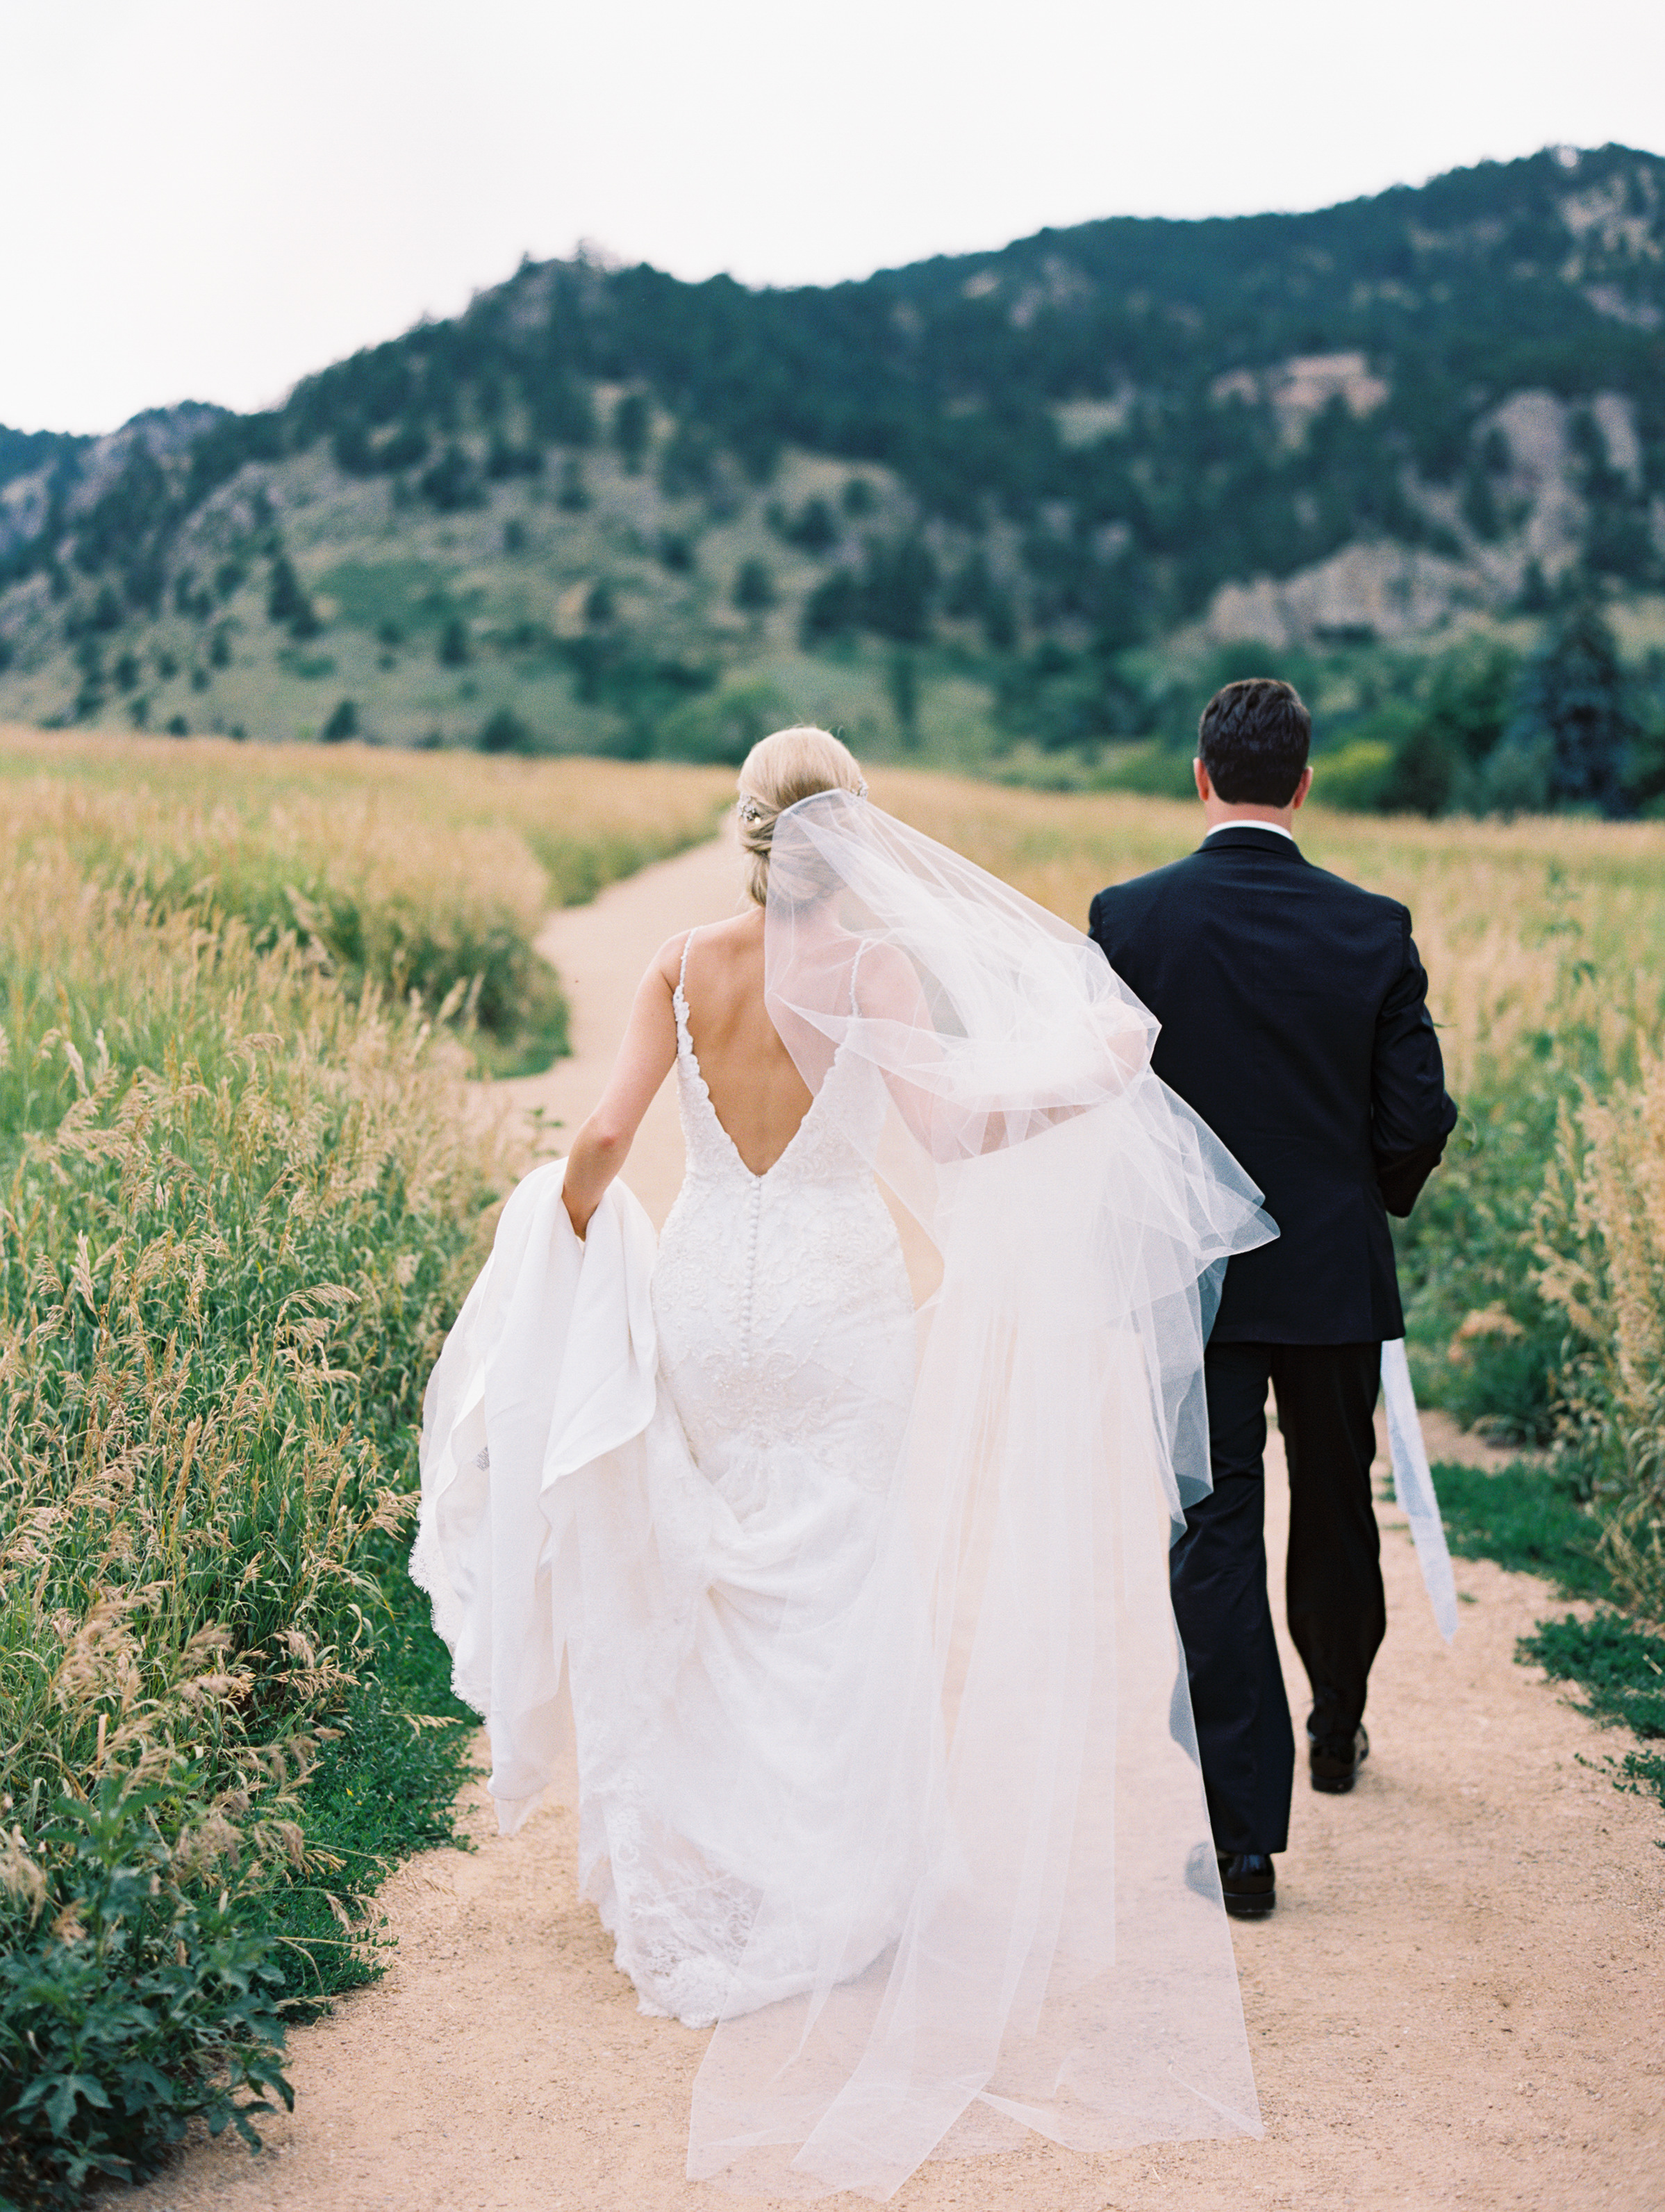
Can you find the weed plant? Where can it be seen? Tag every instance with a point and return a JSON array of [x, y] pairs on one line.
[[241, 1203], [1537, 1517], [1602, 1240]]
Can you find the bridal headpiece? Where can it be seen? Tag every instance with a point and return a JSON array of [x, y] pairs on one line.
[[753, 811]]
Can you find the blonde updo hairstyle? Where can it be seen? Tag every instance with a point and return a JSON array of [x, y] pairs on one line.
[[778, 771]]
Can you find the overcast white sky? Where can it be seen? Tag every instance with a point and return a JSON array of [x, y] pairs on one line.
[[206, 198]]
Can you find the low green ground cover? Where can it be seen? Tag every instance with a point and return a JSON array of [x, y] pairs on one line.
[[385, 1787], [1536, 1518], [1533, 1518]]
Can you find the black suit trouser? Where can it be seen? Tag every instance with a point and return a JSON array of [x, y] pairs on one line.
[[1326, 1395]]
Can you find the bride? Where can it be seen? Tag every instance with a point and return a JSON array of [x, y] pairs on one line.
[[858, 1612]]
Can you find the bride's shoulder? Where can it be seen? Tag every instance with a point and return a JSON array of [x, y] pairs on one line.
[[711, 941], [666, 963]]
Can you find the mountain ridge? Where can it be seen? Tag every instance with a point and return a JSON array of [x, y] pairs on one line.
[[1395, 414]]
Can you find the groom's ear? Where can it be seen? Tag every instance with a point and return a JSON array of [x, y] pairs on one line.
[[1302, 787], [1205, 788]]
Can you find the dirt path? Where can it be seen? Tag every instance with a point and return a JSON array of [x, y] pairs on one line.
[[1459, 2001]]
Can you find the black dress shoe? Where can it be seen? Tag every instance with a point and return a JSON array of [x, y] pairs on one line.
[[1248, 1883], [1336, 1765]]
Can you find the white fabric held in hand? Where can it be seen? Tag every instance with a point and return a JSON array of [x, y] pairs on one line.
[[1414, 1486]]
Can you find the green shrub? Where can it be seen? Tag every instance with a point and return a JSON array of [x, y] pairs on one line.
[[1356, 775], [135, 1994], [1153, 770], [753, 587], [723, 726]]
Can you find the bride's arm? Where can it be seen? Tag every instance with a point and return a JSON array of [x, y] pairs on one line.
[[645, 1059]]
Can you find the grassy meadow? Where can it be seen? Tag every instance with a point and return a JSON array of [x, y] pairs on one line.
[[245, 994]]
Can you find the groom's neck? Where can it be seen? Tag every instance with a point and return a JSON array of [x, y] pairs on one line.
[[1267, 818]]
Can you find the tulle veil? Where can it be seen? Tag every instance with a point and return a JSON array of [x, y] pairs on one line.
[[1031, 1935]]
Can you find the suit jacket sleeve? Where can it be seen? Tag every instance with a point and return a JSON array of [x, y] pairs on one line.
[[1412, 1115], [1096, 920]]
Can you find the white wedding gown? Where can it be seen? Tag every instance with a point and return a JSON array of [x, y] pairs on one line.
[[786, 1353], [884, 1752]]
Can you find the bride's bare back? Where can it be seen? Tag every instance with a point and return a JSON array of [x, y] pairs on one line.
[[755, 1089], [757, 1092]]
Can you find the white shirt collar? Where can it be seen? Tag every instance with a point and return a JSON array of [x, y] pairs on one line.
[[1276, 828]]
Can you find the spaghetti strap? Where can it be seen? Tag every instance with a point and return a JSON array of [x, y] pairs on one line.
[[681, 972]]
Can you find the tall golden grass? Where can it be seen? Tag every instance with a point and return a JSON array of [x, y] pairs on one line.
[[239, 1208], [242, 1188], [426, 873], [585, 822], [241, 1191]]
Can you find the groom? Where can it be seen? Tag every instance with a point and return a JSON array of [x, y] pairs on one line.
[[1294, 1020]]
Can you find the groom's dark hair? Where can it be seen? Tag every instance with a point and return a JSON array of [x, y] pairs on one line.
[[1253, 739]]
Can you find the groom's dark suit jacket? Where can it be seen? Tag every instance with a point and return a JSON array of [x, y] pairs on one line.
[[1294, 1021]]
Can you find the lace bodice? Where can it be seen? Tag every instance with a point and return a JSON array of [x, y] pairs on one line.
[[775, 1294]]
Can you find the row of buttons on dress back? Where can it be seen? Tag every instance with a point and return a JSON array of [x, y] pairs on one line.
[[690, 1072]]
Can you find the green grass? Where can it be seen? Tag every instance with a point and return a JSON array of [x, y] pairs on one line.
[[1621, 1668], [384, 1790], [1534, 1519], [1528, 1517], [412, 595]]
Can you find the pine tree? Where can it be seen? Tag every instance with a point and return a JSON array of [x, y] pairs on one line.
[[287, 601], [901, 682], [1571, 713], [753, 587], [633, 431], [505, 733]]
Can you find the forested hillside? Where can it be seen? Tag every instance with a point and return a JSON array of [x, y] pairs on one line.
[[1004, 502]]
